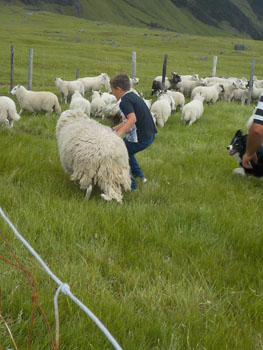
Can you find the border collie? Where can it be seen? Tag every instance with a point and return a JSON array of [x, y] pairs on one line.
[[237, 149]]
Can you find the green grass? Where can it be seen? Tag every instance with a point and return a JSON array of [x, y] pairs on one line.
[[179, 264]]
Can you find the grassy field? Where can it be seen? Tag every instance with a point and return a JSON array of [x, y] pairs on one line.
[[179, 264]]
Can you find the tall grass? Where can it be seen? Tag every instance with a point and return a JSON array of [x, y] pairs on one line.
[[179, 264]]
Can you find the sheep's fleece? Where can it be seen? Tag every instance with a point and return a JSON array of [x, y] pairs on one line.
[[92, 154]]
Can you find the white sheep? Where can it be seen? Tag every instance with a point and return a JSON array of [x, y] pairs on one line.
[[169, 98], [240, 95], [96, 83], [68, 88], [169, 83], [93, 155], [178, 97], [193, 110], [8, 113], [161, 111], [148, 102], [228, 93], [36, 101], [79, 103], [96, 104], [134, 81], [111, 111], [186, 86], [210, 93]]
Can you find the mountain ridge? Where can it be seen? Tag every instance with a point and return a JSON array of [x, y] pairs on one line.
[[242, 18]]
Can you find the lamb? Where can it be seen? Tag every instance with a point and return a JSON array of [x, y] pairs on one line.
[[210, 93], [228, 92], [193, 110], [161, 111], [134, 81], [35, 101], [8, 113], [168, 84], [93, 155], [96, 104], [96, 83], [240, 95], [79, 103], [111, 111], [148, 102], [186, 86], [68, 88], [178, 98], [169, 98]]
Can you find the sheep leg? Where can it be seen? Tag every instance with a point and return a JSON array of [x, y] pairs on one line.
[[7, 123], [105, 197], [88, 193], [21, 111]]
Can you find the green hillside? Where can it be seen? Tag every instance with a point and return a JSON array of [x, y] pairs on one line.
[[200, 17], [179, 265]]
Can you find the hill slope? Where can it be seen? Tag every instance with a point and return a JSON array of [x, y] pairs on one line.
[[224, 17]]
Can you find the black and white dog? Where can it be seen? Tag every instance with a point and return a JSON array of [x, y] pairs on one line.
[[237, 149]]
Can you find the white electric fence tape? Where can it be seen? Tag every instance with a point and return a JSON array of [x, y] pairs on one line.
[[63, 287]]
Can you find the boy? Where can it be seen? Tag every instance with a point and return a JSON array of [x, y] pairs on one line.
[[137, 123]]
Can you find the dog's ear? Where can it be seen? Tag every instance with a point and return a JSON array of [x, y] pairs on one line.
[[238, 133]]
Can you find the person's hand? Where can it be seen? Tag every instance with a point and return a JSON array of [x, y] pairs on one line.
[[246, 160]]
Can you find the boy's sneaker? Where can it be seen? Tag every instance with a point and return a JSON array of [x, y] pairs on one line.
[[143, 179]]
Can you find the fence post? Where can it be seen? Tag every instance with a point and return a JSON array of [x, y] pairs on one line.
[[77, 73], [133, 64], [12, 68], [250, 89], [30, 69], [164, 70], [214, 66]]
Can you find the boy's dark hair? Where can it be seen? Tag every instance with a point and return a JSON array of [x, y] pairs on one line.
[[121, 80]]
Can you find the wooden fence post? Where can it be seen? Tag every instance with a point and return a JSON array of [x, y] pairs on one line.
[[214, 66], [77, 73], [250, 89], [30, 69], [12, 68], [164, 70], [133, 64]]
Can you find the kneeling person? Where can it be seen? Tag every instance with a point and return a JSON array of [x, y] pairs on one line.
[[137, 123]]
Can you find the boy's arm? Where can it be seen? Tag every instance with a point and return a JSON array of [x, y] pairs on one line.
[[118, 126], [124, 127], [254, 140]]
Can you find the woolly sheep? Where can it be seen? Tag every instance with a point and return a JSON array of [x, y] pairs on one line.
[[193, 110], [168, 84], [186, 86], [96, 104], [35, 101], [96, 83], [111, 111], [240, 95], [93, 155], [8, 113], [79, 103], [134, 81], [161, 111], [210, 93], [228, 93], [68, 88], [169, 98], [148, 102], [178, 97]]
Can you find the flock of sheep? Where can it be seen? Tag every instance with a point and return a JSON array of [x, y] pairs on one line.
[[89, 151]]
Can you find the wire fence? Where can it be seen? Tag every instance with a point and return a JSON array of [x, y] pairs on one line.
[[62, 288]]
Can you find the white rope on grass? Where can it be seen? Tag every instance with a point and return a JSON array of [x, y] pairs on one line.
[[65, 289]]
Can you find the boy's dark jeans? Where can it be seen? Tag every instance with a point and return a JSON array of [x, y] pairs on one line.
[[135, 147]]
